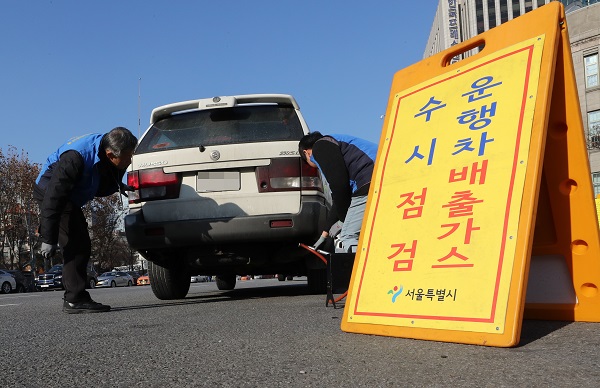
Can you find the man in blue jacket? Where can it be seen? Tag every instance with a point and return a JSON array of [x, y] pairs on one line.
[[347, 164], [83, 168]]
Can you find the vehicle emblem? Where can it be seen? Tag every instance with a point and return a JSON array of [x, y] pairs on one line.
[[216, 99], [215, 155]]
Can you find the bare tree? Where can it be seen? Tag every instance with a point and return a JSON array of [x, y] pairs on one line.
[[4, 204], [105, 217], [18, 210]]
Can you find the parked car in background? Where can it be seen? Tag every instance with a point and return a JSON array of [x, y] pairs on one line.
[[7, 282], [115, 279], [52, 279], [199, 279], [219, 188], [24, 280], [135, 275], [143, 280]]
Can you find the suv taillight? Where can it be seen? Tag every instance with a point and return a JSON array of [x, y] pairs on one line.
[[153, 184], [311, 179], [287, 174]]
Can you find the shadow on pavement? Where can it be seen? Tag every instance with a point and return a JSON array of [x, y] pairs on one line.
[[533, 330], [227, 296]]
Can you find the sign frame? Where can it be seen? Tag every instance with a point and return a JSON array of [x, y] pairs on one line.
[[557, 89]]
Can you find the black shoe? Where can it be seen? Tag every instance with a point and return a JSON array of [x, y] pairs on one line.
[[84, 307]]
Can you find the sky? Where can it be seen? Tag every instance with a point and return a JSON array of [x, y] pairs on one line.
[[72, 67]]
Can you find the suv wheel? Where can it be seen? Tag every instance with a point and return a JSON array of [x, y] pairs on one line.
[[91, 283], [169, 281], [225, 282], [317, 281]]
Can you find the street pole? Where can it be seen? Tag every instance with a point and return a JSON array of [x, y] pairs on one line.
[[139, 105]]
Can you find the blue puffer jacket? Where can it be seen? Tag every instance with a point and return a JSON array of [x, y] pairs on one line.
[[87, 186], [359, 158]]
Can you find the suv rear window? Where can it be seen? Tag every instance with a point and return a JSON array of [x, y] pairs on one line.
[[242, 124]]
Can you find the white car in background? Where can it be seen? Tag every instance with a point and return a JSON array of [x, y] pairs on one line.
[[219, 188], [198, 279], [7, 282]]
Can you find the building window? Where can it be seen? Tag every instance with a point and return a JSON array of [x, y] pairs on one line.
[[591, 70], [596, 183], [491, 13], [540, 3], [516, 7], [479, 14], [593, 129], [528, 6], [503, 11]]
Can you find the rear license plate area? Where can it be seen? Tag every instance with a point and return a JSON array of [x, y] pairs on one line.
[[208, 181]]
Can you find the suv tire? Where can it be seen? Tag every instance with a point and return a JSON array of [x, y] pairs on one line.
[[225, 282], [317, 281], [91, 283], [169, 281]]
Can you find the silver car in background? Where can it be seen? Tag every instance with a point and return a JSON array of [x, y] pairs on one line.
[[115, 279], [7, 282]]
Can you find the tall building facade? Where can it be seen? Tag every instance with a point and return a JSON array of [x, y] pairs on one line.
[[459, 20]]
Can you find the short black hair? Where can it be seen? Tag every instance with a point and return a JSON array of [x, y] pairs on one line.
[[308, 141], [119, 139]]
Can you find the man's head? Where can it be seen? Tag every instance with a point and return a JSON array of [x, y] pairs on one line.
[[118, 145], [306, 144]]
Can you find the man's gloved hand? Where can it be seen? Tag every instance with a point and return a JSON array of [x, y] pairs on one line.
[[335, 229], [48, 250], [319, 242]]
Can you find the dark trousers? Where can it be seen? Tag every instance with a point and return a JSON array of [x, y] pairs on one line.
[[76, 247]]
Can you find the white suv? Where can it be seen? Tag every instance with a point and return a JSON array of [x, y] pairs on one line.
[[220, 189]]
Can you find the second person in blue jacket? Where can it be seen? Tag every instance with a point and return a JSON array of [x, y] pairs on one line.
[[347, 164]]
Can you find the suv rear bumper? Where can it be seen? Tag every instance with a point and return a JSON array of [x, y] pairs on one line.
[[306, 224]]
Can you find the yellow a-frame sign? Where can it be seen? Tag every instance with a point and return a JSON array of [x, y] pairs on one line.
[[482, 173]]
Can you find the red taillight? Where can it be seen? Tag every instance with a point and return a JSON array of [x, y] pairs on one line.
[[133, 179], [311, 180], [287, 174], [153, 184]]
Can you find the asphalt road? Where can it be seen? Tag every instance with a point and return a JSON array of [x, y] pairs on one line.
[[263, 334]]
